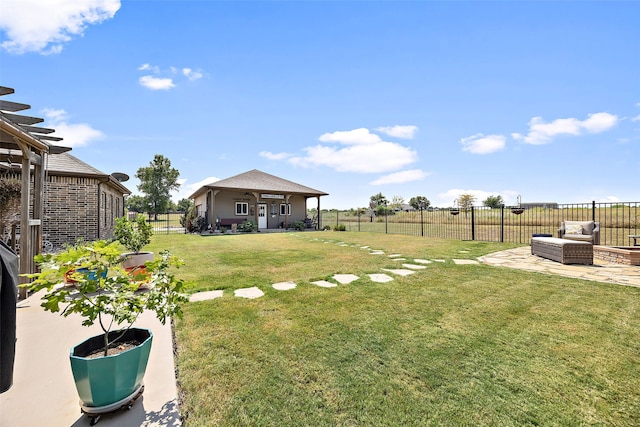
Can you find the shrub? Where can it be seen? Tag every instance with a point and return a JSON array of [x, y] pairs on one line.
[[299, 225], [135, 234], [340, 227], [248, 226]]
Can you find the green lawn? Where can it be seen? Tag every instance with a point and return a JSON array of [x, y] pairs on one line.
[[450, 345]]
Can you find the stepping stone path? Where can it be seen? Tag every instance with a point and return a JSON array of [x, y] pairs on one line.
[[204, 296], [324, 284], [284, 286], [250, 293], [414, 266], [465, 261], [399, 272], [343, 279], [380, 278]]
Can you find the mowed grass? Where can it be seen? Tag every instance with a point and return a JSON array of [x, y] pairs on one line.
[[450, 345]]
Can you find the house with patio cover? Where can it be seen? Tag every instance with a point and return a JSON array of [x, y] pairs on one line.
[[270, 201]]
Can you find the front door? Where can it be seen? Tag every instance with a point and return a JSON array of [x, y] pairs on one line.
[[262, 215]]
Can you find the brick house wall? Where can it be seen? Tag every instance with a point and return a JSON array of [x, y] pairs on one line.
[[80, 207]]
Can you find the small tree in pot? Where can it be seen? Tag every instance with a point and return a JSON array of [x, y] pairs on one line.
[[106, 293], [134, 235]]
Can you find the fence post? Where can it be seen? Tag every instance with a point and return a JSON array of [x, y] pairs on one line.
[[337, 217], [473, 224], [593, 210], [386, 220], [502, 223]]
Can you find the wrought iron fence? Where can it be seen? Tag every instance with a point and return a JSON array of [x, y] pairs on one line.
[[166, 223], [617, 221]]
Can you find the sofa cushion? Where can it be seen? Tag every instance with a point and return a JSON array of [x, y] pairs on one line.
[[578, 237], [587, 226]]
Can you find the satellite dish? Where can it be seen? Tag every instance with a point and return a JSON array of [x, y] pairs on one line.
[[121, 177]]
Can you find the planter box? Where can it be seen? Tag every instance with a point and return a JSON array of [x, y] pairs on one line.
[[108, 379]]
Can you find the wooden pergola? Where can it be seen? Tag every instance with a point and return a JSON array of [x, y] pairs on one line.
[[20, 139]]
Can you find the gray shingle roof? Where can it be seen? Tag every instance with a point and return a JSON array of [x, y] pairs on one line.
[[256, 180], [67, 165]]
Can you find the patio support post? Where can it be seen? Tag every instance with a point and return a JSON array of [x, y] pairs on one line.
[[319, 216]]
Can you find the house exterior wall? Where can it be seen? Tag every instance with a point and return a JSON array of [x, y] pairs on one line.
[[79, 207], [224, 207]]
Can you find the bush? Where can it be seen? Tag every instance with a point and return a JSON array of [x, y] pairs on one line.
[[299, 225], [248, 226], [133, 235], [340, 227]]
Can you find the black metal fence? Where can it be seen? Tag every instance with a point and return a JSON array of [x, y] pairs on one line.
[[506, 224], [166, 223]]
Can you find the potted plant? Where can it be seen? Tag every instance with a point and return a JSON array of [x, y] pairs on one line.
[[109, 368], [134, 235]]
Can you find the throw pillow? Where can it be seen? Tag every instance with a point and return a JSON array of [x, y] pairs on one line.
[[573, 229]]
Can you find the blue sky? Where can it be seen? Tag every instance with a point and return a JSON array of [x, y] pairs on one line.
[[537, 99]]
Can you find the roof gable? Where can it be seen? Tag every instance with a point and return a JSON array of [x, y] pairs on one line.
[[260, 181]]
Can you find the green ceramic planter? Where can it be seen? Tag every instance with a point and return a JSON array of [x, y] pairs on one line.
[[106, 380]]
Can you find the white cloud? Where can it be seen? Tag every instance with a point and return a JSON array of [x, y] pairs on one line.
[[164, 80], [363, 158], [156, 83], [405, 132], [44, 26], [401, 177], [191, 75], [636, 118], [147, 67], [351, 137], [274, 156], [483, 144], [542, 133], [73, 134]]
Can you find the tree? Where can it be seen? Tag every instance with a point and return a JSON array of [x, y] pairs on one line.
[[493, 202], [378, 203], [137, 203], [397, 202], [419, 202], [466, 201], [156, 182], [184, 205]]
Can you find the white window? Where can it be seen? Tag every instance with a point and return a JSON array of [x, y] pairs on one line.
[[285, 209], [242, 208]]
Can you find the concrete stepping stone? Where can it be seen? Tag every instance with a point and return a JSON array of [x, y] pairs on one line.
[[364, 247], [377, 252], [249, 293], [205, 296], [438, 260], [463, 252], [284, 286], [422, 261], [345, 279], [395, 255], [324, 284], [414, 266], [398, 259], [380, 278], [399, 272], [465, 261]]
